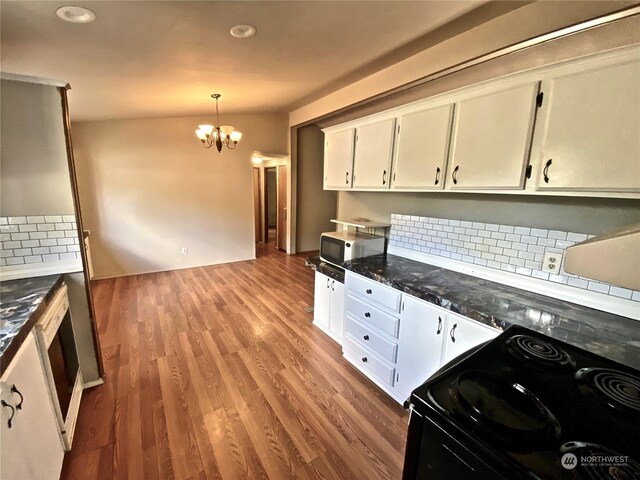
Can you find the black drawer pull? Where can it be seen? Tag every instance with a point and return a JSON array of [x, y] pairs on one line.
[[453, 332], [384, 177], [347, 176], [366, 337], [369, 291], [15, 390], [13, 412], [364, 359], [545, 172], [367, 314], [454, 175], [437, 175], [439, 326]]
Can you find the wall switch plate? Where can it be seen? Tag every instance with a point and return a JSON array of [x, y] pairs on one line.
[[185, 251], [552, 262]]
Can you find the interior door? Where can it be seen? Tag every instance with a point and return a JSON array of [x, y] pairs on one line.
[[281, 229], [256, 204]]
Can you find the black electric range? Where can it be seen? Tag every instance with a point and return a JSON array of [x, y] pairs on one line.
[[526, 406]]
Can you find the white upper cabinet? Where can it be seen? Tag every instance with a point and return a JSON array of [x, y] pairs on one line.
[[338, 159], [492, 138], [422, 149], [372, 159], [590, 130]]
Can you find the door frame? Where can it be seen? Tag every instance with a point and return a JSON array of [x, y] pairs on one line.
[[261, 162]]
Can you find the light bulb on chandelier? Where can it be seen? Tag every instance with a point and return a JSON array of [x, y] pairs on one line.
[[218, 135]]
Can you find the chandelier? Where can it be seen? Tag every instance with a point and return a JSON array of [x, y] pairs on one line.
[[217, 135]]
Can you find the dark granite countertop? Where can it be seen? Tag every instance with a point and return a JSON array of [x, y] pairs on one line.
[[22, 302], [501, 306], [329, 270]]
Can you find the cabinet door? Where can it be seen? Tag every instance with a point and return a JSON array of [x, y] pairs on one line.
[[372, 159], [591, 130], [463, 334], [336, 309], [422, 329], [338, 160], [32, 447], [423, 147], [492, 139], [321, 301]]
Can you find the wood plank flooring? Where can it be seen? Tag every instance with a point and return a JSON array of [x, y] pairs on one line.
[[218, 373]]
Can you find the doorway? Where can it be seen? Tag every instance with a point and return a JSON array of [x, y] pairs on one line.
[[270, 200]]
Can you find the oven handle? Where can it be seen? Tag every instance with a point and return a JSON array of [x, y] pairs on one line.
[[459, 459]]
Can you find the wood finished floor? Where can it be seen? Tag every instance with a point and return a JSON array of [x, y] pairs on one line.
[[218, 373]]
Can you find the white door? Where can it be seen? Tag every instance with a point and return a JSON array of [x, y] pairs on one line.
[[491, 139], [372, 158], [336, 309], [591, 136], [463, 334], [321, 301], [32, 447], [422, 149], [338, 160], [422, 329]]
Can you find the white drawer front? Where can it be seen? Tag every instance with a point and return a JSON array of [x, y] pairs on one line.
[[370, 339], [370, 315], [369, 361], [374, 292]]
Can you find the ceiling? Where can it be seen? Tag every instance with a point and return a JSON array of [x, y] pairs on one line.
[[153, 59]]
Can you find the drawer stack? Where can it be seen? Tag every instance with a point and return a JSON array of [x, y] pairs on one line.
[[371, 328]]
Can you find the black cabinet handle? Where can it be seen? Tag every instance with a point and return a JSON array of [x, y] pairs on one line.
[[332, 282], [347, 177], [15, 390], [369, 291], [366, 337], [328, 280], [364, 359], [367, 314], [384, 177], [13, 412], [439, 326], [453, 175], [453, 332], [437, 176], [545, 172]]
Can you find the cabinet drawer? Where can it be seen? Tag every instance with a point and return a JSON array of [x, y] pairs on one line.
[[369, 361], [370, 315], [367, 337], [374, 292]]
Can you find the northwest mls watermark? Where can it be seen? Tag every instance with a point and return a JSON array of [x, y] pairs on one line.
[[571, 461]]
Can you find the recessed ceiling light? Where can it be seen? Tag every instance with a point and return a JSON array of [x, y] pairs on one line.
[[243, 31], [73, 14]]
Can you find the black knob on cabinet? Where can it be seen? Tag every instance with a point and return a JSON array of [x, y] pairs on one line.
[[369, 291], [366, 337], [367, 314], [364, 359]]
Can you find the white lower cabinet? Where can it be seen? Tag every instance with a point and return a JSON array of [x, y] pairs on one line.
[[328, 306], [464, 334], [422, 328], [30, 443], [399, 349]]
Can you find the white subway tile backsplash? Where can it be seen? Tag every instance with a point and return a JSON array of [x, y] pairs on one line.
[[35, 238], [514, 249]]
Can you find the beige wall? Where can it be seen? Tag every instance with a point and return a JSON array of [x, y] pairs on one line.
[[148, 188], [315, 207], [515, 26], [33, 158]]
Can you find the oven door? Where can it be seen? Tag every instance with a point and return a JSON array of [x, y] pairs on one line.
[[434, 454], [332, 250]]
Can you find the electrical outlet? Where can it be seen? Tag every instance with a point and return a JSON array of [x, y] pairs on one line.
[[552, 262], [185, 251]]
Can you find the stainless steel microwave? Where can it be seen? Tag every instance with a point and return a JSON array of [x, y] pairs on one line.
[[339, 247]]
